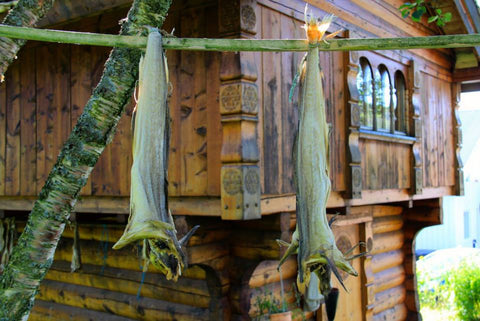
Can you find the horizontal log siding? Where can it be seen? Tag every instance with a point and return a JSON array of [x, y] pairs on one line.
[[387, 265]]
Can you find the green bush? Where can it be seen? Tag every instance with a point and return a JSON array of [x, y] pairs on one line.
[[457, 288], [465, 283]]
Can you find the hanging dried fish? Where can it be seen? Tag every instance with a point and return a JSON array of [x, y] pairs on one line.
[[313, 240], [149, 218]]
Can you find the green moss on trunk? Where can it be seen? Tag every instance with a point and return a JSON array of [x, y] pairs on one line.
[[95, 128]]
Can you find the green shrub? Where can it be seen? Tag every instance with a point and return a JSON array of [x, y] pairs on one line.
[[465, 283], [457, 288]]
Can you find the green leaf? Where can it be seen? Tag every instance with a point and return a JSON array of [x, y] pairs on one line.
[[405, 5], [405, 13], [432, 19], [439, 11], [447, 16], [418, 14]]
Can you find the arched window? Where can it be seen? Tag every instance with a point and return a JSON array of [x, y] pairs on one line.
[[383, 99], [401, 103], [365, 90]]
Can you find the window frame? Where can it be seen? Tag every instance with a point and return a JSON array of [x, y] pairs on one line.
[[377, 62]]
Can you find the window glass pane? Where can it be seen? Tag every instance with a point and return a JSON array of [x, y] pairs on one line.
[[401, 110], [361, 95], [378, 100], [368, 96], [386, 97], [365, 87]]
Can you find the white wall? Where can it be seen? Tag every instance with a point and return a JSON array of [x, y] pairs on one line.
[[452, 232]]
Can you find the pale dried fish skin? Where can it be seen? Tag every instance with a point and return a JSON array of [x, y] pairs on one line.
[[149, 218]]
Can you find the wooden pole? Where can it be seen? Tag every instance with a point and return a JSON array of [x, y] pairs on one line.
[[203, 44]]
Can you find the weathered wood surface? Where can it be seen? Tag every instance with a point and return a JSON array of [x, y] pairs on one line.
[[438, 138], [43, 101], [388, 263], [241, 257], [385, 164], [195, 141]]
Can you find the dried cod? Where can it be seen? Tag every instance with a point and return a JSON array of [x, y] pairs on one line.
[[150, 219], [313, 239]]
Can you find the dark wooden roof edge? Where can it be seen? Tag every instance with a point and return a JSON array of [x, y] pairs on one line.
[[467, 75], [63, 11]]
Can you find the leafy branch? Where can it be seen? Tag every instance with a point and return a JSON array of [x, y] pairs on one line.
[[418, 8]]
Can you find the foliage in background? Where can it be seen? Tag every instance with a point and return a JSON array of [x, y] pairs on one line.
[[456, 289], [465, 283], [418, 8]]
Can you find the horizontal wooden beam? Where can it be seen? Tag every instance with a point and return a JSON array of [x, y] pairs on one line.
[[202, 44], [467, 74], [202, 206], [211, 206]]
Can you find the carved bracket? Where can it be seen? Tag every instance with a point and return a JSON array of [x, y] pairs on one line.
[[354, 174], [416, 128], [457, 128]]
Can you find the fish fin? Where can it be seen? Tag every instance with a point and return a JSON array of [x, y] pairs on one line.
[[184, 240], [333, 34], [292, 249]]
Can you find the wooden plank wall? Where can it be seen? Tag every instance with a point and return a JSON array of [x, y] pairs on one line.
[[279, 117], [47, 87], [438, 136], [385, 165]]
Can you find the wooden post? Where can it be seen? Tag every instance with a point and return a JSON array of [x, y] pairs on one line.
[[354, 174], [240, 173], [368, 292], [416, 128], [457, 132]]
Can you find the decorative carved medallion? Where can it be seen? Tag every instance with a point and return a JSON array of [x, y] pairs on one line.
[[239, 97], [355, 112], [357, 177], [250, 99], [230, 97], [232, 181], [252, 181], [249, 19]]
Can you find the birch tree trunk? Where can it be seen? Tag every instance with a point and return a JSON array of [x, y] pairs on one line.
[[95, 128], [26, 13]]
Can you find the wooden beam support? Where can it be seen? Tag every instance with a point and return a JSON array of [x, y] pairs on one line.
[[457, 133], [240, 173], [416, 128], [354, 172], [466, 75], [211, 206]]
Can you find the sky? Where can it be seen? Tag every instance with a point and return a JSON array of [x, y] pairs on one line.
[[470, 100], [470, 103]]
